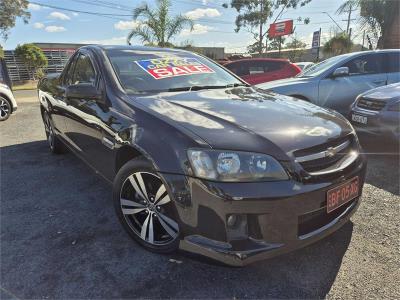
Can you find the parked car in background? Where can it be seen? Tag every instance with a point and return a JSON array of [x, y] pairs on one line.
[[198, 158], [8, 105], [223, 61], [378, 111], [336, 82], [304, 65], [260, 70]]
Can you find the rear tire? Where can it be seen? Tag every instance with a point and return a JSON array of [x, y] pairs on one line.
[[144, 207], [56, 146], [5, 109]]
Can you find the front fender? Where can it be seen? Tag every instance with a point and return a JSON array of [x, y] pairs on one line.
[[160, 142]]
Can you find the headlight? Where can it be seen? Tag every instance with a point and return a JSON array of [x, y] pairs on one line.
[[394, 107], [235, 166]]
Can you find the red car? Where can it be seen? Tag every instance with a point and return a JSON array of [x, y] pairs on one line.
[[259, 70]]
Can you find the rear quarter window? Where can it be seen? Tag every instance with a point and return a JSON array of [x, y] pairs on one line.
[[393, 65]]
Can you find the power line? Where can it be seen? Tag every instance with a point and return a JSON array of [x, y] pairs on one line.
[[105, 5], [80, 11]]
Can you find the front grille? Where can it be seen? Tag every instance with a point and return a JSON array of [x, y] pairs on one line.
[[371, 104], [327, 157], [312, 221]]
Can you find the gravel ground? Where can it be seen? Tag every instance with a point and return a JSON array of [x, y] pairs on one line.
[[60, 238]]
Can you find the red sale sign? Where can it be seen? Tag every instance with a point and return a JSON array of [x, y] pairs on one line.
[[280, 28], [160, 68]]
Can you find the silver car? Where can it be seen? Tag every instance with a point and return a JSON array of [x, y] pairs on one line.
[[378, 112], [336, 82]]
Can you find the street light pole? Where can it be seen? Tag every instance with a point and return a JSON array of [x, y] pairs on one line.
[[333, 20]]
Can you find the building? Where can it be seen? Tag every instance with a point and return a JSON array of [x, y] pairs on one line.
[[57, 55]]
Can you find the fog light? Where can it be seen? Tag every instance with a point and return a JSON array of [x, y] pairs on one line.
[[232, 220]]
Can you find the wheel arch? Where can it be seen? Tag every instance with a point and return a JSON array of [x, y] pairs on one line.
[[9, 101], [127, 153]]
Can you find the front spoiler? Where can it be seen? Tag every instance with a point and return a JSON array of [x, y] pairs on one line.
[[257, 250]]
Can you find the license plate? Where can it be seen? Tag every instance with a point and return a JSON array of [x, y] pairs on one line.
[[359, 119], [342, 194]]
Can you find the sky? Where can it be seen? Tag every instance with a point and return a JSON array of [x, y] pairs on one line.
[[214, 25]]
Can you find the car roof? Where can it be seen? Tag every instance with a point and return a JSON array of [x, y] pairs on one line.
[[132, 48], [260, 59], [369, 52]]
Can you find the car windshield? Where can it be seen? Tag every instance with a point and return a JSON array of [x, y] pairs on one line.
[[321, 67], [142, 71]]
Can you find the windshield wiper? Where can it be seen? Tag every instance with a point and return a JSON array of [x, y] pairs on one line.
[[205, 87]]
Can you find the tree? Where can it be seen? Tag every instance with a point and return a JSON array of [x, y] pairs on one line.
[[297, 49], [254, 14], [338, 44], [33, 57], [273, 43], [10, 10], [156, 26], [378, 17]]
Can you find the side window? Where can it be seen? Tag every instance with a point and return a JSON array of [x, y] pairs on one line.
[[256, 68], [363, 65], [393, 62], [69, 72], [84, 71], [232, 67], [239, 68], [271, 66]]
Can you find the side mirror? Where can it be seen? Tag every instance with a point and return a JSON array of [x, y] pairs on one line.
[[84, 91], [339, 72]]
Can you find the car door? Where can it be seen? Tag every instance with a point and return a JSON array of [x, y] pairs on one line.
[[89, 122], [59, 110], [392, 66], [365, 73]]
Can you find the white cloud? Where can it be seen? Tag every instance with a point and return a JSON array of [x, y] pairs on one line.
[[32, 6], [125, 25], [121, 40], [197, 29], [75, 14], [55, 29], [202, 12], [59, 15], [38, 25]]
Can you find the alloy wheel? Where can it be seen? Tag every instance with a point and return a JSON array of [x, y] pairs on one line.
[[49, 130], [148, 209], [4, 109]]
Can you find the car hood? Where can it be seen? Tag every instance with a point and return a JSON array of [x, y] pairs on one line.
[[282, 83], [386, 93], [248, 119]]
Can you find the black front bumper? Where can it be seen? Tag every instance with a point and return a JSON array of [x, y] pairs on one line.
[[380, 123], [272, 217]]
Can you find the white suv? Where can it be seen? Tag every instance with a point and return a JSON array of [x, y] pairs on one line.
[[8, 105]]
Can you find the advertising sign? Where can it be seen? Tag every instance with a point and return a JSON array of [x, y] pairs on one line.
[[160, 68], [280, 28], [316, 39]]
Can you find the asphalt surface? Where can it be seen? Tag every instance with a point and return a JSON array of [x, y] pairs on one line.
[[61, 239]]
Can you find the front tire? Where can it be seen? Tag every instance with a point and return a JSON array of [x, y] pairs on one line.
[[5, 109], [145, 208], [56, 146]]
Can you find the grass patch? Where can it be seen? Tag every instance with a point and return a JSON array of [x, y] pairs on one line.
[[25, 85]]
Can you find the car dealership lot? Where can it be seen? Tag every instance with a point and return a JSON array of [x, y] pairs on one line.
[[60, 237]]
